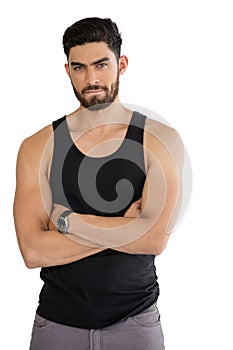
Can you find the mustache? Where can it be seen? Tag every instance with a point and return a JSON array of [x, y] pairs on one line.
[[94, 87]]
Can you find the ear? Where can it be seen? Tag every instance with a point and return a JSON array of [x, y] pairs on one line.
[[67, 69], [123, 64]]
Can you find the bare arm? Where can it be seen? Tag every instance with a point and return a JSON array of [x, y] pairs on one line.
[[39, 246], [149, 232]]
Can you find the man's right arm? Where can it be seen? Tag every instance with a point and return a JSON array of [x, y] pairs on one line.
[[39, 246]]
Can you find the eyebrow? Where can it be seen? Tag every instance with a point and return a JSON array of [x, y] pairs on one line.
[[104, 59]]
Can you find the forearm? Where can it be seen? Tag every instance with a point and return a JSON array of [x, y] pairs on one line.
[[126, 234], [51, 248]]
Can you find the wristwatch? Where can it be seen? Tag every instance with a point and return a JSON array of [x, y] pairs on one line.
[[62, 221]]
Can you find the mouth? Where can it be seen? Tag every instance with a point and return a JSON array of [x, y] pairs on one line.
[[94, 92]]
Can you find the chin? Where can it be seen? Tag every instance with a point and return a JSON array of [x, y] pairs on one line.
[[99, 106]]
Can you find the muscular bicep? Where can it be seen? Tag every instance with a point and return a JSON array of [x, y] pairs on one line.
[[162, 190], [32, 203], [154, 192]]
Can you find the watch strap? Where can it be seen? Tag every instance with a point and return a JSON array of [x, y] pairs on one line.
[[66, 213]]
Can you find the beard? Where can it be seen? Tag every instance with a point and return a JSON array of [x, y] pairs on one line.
[[96, 103]]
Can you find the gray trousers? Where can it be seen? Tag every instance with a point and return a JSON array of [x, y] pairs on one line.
[[142, 331]]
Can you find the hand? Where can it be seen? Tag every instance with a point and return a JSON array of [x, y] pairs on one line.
[[134, 210]]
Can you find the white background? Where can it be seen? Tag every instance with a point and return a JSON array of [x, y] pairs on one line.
[[180, 66]]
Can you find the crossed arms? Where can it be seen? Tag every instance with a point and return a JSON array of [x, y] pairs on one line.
[[144, 229]]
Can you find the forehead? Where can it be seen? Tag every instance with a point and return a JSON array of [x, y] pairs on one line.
[[90, 52]]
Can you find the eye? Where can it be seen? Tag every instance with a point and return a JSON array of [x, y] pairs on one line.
[[78, 68], [101, 65]]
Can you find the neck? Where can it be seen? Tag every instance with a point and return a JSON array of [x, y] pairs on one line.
[[113, 113]]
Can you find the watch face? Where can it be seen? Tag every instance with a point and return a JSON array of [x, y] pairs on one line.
[[62, 224]]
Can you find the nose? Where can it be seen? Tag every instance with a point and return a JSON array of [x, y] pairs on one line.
[[91, 77]]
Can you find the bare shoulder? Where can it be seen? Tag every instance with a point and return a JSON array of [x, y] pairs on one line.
[[38, 140], [36, 150], [159, 137], [162, 132]]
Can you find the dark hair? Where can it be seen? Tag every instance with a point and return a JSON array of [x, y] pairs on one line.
[[93, 29]]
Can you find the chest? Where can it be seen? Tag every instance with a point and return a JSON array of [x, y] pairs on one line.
[[99, 143]]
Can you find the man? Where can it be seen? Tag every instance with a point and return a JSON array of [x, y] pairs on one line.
[[97, 195]]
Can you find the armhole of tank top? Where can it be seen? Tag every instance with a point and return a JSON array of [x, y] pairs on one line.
[[139, 121], [55, 124], [145, 155], [145, 160]]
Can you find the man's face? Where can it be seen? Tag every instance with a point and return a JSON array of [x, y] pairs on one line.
[[94, 73]]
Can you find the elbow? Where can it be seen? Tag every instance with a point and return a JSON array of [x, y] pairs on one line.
[[155, 250], [158, 251], [29, 251], [159, 247], [30, 264], [29, 258]]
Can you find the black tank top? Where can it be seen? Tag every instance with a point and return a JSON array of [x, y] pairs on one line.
[[109, 286]]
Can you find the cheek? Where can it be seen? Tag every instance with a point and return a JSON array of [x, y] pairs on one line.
[[77, 82], [111, 77]]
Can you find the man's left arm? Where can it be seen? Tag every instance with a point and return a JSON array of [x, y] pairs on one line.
[[149, 232]]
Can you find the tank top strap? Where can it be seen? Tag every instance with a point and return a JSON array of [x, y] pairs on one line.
[[62, 145], [58, 122], [136, 127], [61, 132]]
